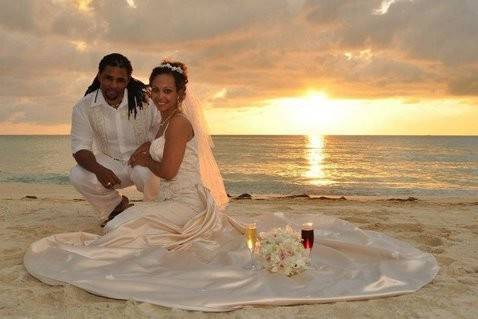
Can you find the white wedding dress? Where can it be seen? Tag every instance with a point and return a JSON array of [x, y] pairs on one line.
[[181, 251]]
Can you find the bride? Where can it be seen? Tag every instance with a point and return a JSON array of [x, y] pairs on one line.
[[183, 251], [191, 187]]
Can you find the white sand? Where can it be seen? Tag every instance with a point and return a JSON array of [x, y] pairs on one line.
[[446, 228]]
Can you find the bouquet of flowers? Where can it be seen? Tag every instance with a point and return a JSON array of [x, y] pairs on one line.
[[281, 250]]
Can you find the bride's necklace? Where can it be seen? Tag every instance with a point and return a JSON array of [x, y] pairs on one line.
[[163, 123]]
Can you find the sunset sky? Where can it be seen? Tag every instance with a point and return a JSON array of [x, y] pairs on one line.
[[260, 67]]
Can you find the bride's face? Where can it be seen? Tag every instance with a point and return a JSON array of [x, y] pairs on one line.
[[164, 93]]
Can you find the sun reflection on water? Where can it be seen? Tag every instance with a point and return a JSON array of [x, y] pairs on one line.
[[315, 152]]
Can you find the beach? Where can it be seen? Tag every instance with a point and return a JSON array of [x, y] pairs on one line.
[[445, 227], [355, 117]]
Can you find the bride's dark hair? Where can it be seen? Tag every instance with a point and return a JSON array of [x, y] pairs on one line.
[[169, 67]]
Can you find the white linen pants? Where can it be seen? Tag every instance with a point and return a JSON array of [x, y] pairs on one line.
[[104, 200]]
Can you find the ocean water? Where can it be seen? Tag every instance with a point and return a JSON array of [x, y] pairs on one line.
[[389, 166]]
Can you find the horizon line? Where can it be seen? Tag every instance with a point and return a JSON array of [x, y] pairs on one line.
[[398, 135]]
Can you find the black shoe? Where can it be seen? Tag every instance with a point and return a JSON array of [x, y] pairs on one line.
[[123, 205]]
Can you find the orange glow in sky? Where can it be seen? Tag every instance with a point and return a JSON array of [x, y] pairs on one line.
[[316, 113]]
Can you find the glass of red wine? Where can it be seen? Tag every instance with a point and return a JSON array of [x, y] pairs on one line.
[[307, 233]]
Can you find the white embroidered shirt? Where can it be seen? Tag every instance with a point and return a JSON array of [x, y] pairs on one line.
[[95, 125]]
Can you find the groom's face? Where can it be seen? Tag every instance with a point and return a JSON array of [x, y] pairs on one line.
[[113, 81]]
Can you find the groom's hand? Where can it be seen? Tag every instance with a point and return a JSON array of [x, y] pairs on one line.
[[107, 178], [87, 160]]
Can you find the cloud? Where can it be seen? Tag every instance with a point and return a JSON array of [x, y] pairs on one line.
[[437, 30], [38, 110], [466, 85], [253, 51], [16, 15]]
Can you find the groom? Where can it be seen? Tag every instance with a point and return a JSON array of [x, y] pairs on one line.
[[115, 117]]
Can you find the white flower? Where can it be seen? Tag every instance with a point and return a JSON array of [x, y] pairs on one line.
[[282, 251]]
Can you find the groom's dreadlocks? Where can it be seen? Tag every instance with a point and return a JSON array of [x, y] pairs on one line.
[[136, 88]]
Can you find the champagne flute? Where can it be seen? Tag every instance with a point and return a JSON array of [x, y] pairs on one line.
[[251, 240], [307, 234]]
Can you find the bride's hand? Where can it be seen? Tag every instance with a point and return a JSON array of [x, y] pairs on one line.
[[139, 153], [143, 159]]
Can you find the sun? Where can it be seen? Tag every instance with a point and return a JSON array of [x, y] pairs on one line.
[[312, 113]]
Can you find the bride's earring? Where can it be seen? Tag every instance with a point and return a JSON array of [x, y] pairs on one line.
[[179, 102]]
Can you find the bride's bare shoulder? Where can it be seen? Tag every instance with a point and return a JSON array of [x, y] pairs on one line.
[[179, 124]]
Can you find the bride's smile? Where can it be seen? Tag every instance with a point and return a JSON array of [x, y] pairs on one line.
[[165, 94]]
